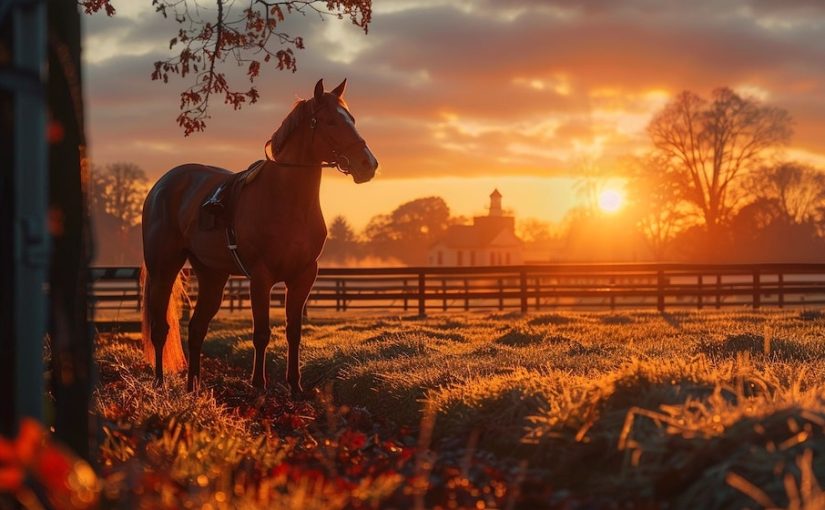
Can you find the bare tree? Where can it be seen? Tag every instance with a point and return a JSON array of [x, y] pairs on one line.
[[711, 143], [796, 191], [534, 230], [119, 190], [658, 204], [247, 32]]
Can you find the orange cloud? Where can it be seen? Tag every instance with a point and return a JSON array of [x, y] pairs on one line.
[[473, 88]]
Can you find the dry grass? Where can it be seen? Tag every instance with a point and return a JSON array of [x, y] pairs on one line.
[[692, 409]]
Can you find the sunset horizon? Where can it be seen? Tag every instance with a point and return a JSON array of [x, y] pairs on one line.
[[551, 89]]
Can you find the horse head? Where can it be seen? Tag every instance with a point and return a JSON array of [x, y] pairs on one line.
[[335, 137]]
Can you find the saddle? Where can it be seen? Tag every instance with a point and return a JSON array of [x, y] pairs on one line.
[[219, 208]]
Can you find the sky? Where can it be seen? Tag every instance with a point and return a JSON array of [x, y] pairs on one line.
[[457, 97]]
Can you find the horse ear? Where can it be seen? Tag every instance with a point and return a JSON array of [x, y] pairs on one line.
[[319, 89], [339, 90]]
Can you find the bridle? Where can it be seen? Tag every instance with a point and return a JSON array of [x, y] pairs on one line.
[[340, 160]]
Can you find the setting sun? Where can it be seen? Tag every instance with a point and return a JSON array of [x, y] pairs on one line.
[[610, 200]]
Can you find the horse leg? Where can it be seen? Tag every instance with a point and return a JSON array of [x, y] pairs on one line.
[[259, 290], [210, 294], [298, 290]]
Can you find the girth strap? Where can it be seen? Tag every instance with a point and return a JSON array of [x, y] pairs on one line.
[[232, 244]]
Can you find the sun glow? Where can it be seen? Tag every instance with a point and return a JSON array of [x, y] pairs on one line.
[[610, 200]]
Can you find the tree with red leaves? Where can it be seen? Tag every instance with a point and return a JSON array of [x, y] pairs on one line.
[[244, 31]]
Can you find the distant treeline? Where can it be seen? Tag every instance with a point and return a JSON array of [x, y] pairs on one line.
[[783, 219], [712, 188]]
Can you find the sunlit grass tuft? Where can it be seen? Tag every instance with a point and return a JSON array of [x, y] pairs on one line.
[[684, 409]]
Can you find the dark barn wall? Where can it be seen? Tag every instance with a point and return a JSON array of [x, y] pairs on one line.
[[7, 323], [23, 238], [69, 329]]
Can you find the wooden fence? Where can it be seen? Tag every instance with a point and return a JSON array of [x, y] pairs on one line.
[[534, 287]]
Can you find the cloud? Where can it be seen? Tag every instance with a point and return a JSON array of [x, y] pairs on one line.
[[463, 88]]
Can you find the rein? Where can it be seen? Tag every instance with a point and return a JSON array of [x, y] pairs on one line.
[[341, 161]]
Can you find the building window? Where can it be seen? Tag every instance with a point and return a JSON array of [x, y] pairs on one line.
[[460, 258], [440, 258]]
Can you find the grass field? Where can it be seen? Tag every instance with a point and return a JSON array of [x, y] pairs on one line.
[[561, 410]]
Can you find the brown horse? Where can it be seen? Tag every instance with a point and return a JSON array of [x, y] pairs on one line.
[[279, 231]]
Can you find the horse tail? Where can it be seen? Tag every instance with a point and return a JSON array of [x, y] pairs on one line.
[[173, 357]]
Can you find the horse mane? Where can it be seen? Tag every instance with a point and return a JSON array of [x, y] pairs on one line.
[[290, 122]]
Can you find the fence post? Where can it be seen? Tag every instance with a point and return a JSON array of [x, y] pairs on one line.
[[538, 292], [612, 284], [523, 290], [444, 294], [344, 295], [756, 289], [337, 295], [422, 298], [660, 297], [239, 296]]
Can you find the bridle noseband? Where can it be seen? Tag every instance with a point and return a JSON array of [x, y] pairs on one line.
[[340, 160]]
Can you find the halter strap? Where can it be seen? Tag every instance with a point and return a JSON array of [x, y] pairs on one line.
[[341, 161], [268, 151]]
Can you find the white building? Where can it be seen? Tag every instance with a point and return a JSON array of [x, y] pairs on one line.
[[490, 241]]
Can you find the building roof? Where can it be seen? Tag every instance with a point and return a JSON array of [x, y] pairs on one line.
[[473, 236], [494, 229]]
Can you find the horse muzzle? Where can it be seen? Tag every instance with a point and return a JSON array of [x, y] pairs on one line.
[[364, 167]]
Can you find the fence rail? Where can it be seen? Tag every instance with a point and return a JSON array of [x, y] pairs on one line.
[[533, 287]]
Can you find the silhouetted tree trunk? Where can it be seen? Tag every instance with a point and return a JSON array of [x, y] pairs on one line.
[[69, 329]]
